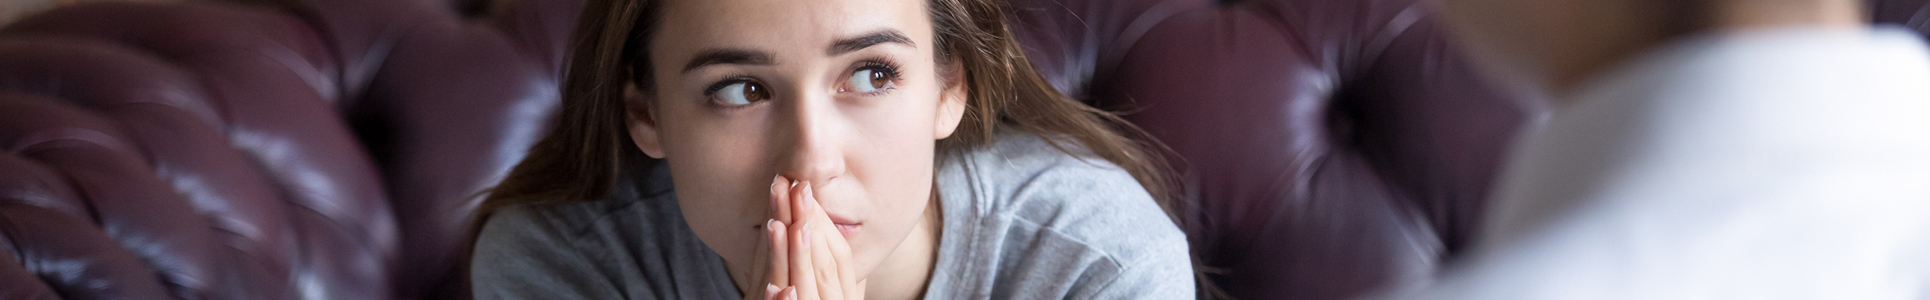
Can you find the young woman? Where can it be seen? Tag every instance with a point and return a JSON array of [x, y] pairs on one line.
[[823, 149]]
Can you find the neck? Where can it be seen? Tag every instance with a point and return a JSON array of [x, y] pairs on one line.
[[907, 271]]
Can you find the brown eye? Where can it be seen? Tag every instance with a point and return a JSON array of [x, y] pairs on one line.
[[741, 93], [878, 79], [756, 92], [868, 80]]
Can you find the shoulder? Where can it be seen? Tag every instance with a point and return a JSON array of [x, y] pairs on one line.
[[1064, 187], [556, 233], [1020, 169], [543, 251], [553, 223], [637, 199], [1053, 200], [631, 244]]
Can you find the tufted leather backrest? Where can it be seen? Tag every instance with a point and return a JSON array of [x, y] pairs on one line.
[[1329, 147], [333, 149], [1909, 14], [261, 150]]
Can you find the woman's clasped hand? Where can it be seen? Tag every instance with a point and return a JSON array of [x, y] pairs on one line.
[[807, 257]]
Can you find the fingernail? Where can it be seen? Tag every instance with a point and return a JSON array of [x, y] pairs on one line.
[[808, 199], [792, 295], [805, 233], [770, 225], [771, 289]]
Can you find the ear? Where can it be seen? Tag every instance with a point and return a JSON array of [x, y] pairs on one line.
[[641, 122], [953, 100]]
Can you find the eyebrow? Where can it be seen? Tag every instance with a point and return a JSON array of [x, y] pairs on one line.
[[738, 56], [722, 56], [870, 39]]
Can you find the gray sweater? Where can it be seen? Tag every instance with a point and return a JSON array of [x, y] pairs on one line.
[[1022, 220]]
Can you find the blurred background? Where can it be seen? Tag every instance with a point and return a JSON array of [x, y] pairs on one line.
[[21, 8], [334, 149]]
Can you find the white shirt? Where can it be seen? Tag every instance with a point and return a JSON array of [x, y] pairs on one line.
[[1772, 164]]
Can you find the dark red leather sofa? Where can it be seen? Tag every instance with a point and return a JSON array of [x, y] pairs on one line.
[[334, 149]]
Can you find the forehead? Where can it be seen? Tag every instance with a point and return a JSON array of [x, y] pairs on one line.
[[782, 26]]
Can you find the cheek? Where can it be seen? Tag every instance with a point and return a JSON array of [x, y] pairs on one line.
[[893, 159], [722, 215], [896, 148], [716, 169]]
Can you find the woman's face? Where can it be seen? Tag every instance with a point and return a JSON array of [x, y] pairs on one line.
[[844, 94]]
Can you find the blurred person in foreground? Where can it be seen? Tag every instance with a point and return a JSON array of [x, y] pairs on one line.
[[1704, 149]]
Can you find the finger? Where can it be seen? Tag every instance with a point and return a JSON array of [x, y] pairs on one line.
[[771, 292], [779, 273], [801, 207], [817, 208], [830, 250], [829, 283], [833, 266], [803, 273], [830, 278], [847, 276], [781, 199], [860, 285]]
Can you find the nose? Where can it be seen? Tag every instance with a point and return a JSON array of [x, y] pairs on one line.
[[813, 133]]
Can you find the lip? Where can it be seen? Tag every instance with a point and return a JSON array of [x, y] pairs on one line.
[[848, 230], [846, 226]]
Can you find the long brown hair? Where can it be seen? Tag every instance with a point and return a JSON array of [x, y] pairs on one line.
[[579, 160], [580, 157]]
